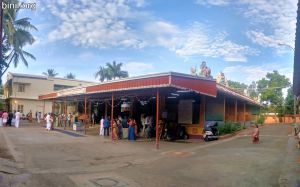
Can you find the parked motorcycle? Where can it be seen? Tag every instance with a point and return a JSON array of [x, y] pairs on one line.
[[211, 131], [174, 132]]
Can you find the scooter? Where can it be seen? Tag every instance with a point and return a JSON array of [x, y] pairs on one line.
[[211, 131]]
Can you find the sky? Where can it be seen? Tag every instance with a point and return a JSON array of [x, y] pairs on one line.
[[243, 38]]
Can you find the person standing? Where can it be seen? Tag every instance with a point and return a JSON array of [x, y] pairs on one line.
[[93, 118], [298, 140], [36, 115], [106, 126], [255, 134], [60, 120], [101, 133], [30, 116], [72, 119], [48, 122], [131, 133], [136, 130], [69, 119], [13, 121], [17, 120], [1, 119], [143, 121], [5, 117], [39, 117], [10, 118], [120, 127], [64, 120], [114, 130]]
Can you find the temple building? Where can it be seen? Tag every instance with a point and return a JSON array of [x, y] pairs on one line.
[[174, 97]]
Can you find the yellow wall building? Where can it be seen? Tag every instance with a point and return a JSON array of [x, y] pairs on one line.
[[21, 91]]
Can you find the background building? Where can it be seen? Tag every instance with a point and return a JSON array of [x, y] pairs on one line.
[[21, 91]]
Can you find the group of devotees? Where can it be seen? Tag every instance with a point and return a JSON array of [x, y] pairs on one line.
[[10, 119], [119, 128], [126, 127], [60, 120]]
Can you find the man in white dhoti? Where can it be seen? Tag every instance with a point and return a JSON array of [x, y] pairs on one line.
[[48, 122], [101, 133], [17, 119], [39, 117]]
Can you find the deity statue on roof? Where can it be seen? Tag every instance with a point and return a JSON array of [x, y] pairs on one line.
[[221, 79], [193, 71], [204, 70]]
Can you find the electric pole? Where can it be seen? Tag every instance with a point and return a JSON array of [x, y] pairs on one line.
[[1, 30]]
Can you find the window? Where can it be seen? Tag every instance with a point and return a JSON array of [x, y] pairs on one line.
[[61, 87], [20, 108], [21, 88]]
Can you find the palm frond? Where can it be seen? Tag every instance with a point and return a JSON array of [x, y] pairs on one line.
[[24, 23]]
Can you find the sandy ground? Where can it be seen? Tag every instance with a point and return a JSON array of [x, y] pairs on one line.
[[31, 156]]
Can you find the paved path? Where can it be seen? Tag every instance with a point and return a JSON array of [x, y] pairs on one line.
[[40, 158]]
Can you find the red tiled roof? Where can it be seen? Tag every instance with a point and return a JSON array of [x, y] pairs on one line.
[[228, 91], [177, 80]]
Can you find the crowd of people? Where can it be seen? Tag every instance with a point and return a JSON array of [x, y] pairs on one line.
[[127, 127], [58, 120], [10, 119]]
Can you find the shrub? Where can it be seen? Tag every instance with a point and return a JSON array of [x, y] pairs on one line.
[[260, 120], [229, 127]]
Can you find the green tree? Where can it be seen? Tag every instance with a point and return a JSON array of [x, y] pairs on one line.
[[16, 35], [237, 86], [1, 90], [252, 90], [50, 73], [70, 76], [289, 102], [270, 87]]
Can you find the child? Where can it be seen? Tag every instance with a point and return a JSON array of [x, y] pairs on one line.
[[255, 135], [298, 140]]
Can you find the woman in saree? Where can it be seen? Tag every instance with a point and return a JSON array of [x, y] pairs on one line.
[[131, 131], [114, 130]]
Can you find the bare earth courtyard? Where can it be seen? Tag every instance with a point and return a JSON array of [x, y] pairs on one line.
[[32, 156]]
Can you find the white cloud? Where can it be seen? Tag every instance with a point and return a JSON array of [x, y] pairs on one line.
[[138, 68], [86, 56], [261, 39], [120, 23], [279, 16], [139, 3], [200, 41], [278, 19], [256, 72], [96, 23], [213, 2]]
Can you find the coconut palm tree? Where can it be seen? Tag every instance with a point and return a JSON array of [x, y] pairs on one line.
[[102, 73], [70, 76], [16, 35], [111, 71], [50, 73], [115, 71]]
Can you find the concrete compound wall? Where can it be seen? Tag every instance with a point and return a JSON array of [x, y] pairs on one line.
[[288, 119]]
